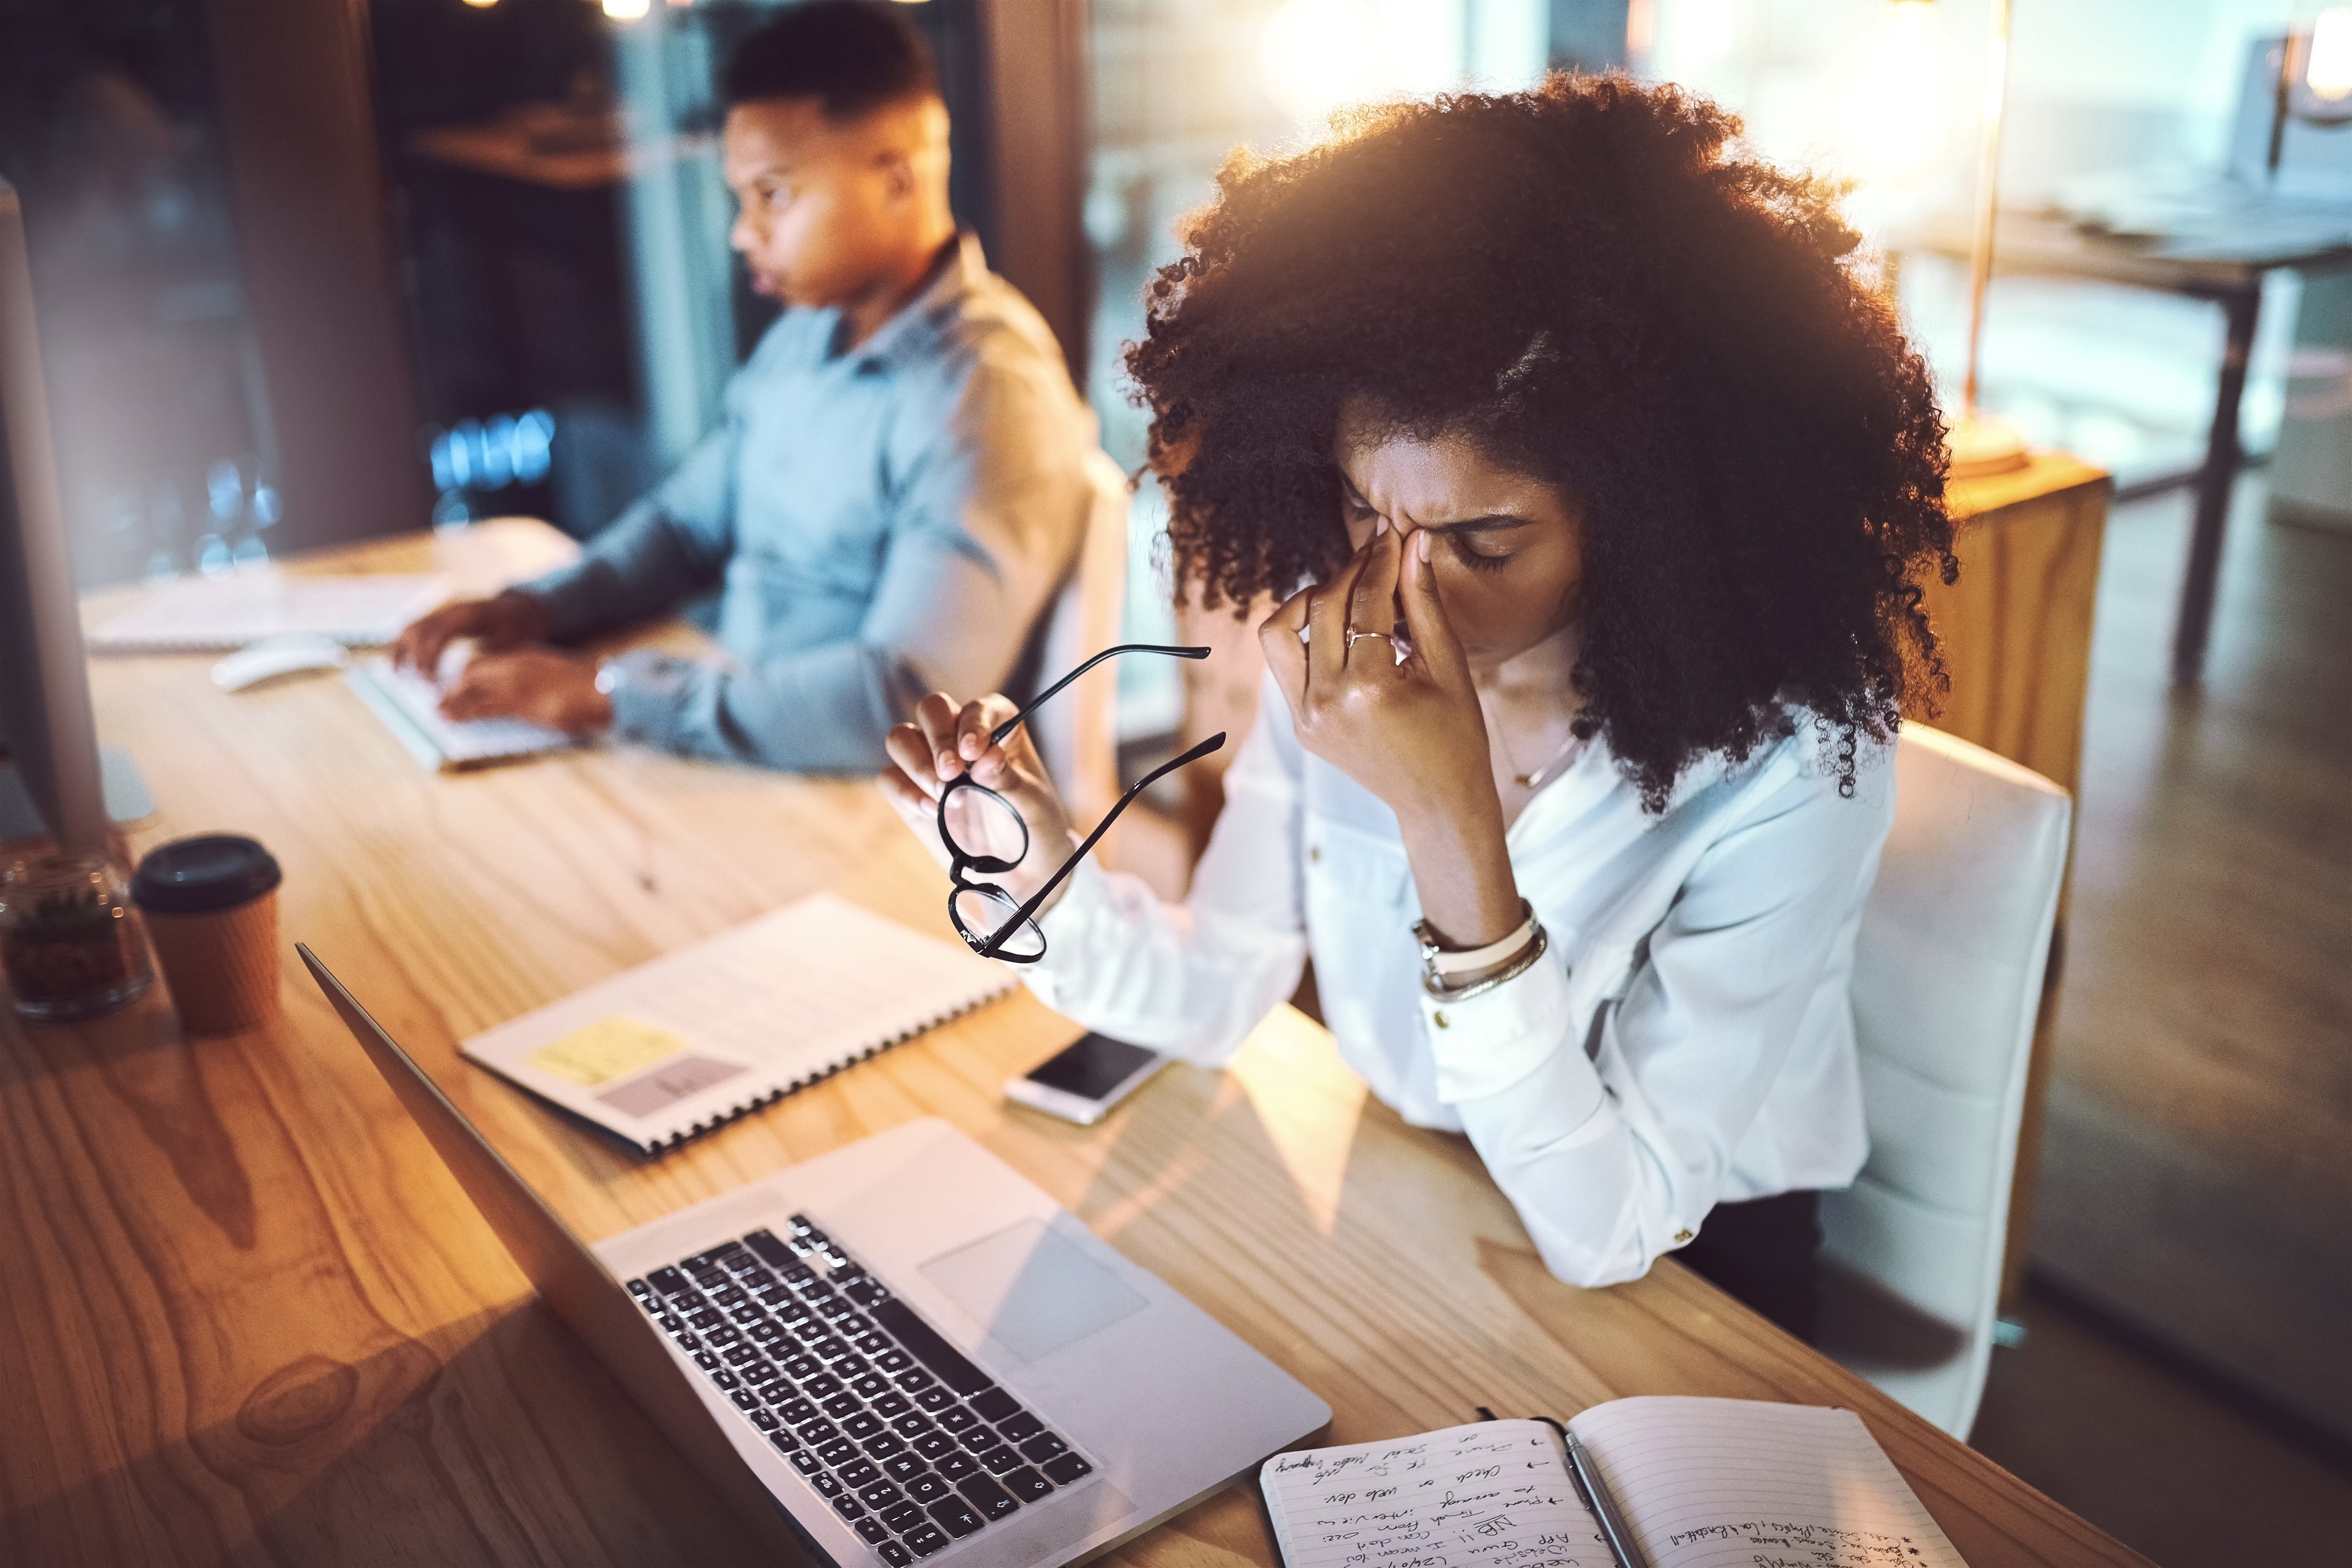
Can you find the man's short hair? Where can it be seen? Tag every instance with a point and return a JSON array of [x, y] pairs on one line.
[[851, 56]]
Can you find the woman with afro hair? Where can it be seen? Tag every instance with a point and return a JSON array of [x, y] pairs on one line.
[[1598, 483]]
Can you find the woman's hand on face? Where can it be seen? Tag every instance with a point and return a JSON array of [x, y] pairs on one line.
[[1408, 729], [944, 742]]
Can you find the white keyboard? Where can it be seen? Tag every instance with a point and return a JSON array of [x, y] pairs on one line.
[[410, 706]]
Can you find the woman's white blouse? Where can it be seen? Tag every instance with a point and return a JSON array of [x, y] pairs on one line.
[[1687, 1039]]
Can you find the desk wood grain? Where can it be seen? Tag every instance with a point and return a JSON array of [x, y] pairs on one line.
[[255, 1321]]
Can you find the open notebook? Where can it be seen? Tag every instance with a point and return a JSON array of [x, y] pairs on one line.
[[410, 707], [675, 1046], [1700, 1483]]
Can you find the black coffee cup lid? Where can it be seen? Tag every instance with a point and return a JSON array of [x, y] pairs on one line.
[[197, 876]]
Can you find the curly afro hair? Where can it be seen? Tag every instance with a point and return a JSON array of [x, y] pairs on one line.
[[1597, 285]]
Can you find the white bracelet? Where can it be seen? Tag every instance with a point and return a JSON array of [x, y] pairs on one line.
[[1439, 962]]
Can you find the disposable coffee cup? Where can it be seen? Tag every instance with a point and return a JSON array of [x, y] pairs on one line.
[[211, 906]]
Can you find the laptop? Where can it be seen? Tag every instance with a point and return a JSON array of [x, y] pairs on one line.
[[900, 1352]]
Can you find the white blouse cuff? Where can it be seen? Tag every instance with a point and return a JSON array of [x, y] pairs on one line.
[[1485, 1044]]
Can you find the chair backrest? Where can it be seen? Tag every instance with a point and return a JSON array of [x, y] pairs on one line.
[[1948, 976], [1078, 732]]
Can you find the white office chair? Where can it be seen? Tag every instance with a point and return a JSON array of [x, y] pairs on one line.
[[1078, 732], [1947, 981]]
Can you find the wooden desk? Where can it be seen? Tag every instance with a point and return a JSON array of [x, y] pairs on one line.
[[252, 1318]]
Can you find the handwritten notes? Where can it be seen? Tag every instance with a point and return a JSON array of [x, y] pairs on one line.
[[1493, 1495], [1739, 1483]]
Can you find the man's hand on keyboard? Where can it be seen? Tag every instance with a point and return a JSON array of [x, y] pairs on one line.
[[557, 689], [508, 620]]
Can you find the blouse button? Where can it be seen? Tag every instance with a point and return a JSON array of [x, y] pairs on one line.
[[1438, 1018], [1314, 852]]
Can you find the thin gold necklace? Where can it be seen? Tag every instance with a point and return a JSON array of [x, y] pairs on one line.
[[1552, 764]]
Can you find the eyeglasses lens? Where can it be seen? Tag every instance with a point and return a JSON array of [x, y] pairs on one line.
[[983, 826], [982, 913]]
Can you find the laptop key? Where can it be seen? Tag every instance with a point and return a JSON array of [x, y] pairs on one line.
[[912, 1424], [706, 1360], [796, 1411], [745, 1400], [992, 1501], [1042, 1448], [668, 1281], [879, 1493], [801, 1368], [726, 1380], [765, 1419], [957, 1420], [759, 1373], [995, 1404], [843, 1408], [931, 1445], [830, 1349], [785, 1443], [955, 1516], [747, 1315], [773, 1253], [882, 1444], [852, 1367], [874, 1344], [935, 1400], [823, 1385], [894, 1553], [1000, 1461], [955, 1467], [838, 1452], [872, 1530], [980, 1439], [926, 1487], [859, 1473], [861, 1425], [1027, 1484], [904, 1516], [640, 1290], [848, 1507], [1018, 1425], [890, 1405], [891, 1362], [817, 1431], [825, 1485], [1066, 1467], [766, 1333], [903, 1467], [806, 1463], [870, 1386], [737, 1354], [926, 1539]]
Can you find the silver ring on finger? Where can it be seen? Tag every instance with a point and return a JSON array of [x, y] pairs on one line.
[[1395, 650]]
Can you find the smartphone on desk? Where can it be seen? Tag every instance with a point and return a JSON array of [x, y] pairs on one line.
[[1082, 1083]]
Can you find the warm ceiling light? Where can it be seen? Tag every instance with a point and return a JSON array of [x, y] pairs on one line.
[[2327, 69], [626, 10], [481, 4]]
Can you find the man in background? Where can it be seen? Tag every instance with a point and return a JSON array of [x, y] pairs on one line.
[[899, 483]]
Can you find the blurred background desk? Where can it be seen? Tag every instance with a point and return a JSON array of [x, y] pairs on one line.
[[2222, 257], [256, 1320]]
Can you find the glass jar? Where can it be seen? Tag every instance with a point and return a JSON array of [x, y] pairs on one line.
[[70, 943]]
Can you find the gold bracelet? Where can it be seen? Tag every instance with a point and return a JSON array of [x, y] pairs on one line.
[[1518, 966]]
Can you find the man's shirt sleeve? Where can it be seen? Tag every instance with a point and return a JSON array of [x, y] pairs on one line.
[[991, 497]]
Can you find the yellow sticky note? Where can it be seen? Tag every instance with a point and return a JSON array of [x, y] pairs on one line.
[[604, 1050]]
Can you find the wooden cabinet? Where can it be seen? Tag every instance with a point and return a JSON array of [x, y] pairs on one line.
[[2016, 636]]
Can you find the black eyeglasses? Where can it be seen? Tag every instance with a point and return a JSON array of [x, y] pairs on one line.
[[985, 833]]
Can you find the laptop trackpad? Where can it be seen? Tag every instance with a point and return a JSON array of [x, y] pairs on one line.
[[1036, 1290]]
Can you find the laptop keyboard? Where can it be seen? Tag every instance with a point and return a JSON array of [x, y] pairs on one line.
[[911, 1443]]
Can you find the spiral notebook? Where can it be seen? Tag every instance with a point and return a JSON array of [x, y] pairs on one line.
[[191, 615], [1690, 1483], [675, 1046]]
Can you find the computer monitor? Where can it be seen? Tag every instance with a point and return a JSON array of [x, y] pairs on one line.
[[51, 780]]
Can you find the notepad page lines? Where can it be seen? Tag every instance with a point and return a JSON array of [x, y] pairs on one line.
[[1495, 1495], [1739, 1484]]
